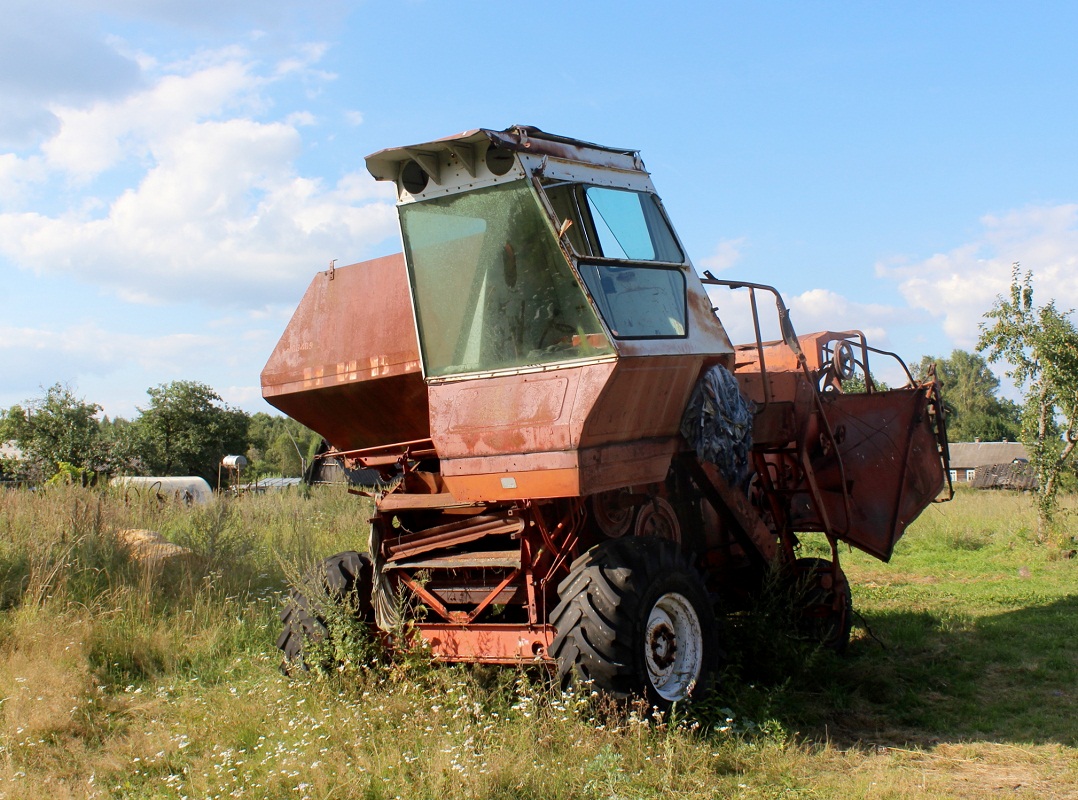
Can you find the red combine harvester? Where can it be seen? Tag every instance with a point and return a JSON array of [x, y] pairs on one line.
[[576, 462]]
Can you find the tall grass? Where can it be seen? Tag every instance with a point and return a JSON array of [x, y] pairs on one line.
[[122, 679]]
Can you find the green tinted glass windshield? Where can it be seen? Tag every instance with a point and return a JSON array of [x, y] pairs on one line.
[[492, 288]]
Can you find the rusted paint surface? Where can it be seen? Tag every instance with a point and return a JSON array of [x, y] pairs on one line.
[[579, 430], [385, 164], [644, 397], [892, 466], [509, 414], [348, 367], [568, 473], [491, 644]]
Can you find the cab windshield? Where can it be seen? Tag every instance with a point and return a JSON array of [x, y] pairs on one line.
[[629, 258], [492, 289]]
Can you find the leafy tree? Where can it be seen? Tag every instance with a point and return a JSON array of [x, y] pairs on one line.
[[187, 429], [856, 384], [1041, 346], [279, 446], [56, 428], [974, 411], [120, 440]]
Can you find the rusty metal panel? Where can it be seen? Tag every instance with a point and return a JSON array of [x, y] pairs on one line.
[[528, 476], [347, 365], [512, 414], [561, 433], [892, 465], [570, 473], [490, 644], [644, 397]]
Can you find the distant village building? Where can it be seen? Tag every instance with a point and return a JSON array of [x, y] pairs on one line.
[[991, 465]]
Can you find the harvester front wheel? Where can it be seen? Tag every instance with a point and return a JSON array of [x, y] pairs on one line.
[[341, 582], [634, 618]]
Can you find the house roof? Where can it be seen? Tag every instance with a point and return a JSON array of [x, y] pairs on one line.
[[969, 455]]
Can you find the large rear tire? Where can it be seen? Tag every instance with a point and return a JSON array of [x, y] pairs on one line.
[[344, 581], [634, 618]]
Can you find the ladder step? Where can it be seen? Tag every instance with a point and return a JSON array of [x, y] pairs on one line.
[[492, 558]]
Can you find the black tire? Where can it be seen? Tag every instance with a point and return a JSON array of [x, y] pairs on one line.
[[344, 580], [825, 610], [634, 618]]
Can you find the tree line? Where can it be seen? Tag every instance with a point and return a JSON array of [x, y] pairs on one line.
[[185, 429]]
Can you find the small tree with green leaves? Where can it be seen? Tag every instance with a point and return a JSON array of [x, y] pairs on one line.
[[56, 428], [974, 411], [279, 446], [1041, 346], [187, 429]]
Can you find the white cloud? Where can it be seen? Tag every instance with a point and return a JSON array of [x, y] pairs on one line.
[[94, 139], [815, 310], [114, 368], [725, 255], [300, 119], [825, 310], [52, 53], [959, 286], [34, 356], [246, 397], [811, 311], [219, 213], [17, 175]]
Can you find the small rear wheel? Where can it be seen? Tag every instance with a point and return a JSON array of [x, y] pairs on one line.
[[825, 603], [634, 618], [340, 583]]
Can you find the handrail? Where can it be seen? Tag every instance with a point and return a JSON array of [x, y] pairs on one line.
[[789, 338]]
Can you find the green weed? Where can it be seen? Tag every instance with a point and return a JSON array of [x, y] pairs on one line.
[[120, 678]]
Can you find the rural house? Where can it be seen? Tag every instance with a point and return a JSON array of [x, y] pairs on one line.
[[970, 459]]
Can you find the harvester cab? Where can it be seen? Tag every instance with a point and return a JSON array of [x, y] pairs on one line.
[[579, 460], [560, 323]]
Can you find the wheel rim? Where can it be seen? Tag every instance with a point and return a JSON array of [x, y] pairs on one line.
[[613, 518], [673, 647], [658, 518]]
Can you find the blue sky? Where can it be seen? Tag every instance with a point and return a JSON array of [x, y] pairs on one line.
[[173, 172]]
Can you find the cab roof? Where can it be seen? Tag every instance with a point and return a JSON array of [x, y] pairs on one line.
[[470, 149]]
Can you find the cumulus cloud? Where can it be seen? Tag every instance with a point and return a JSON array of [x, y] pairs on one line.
[[810, 311], [51, 53], [725, 255], [220, 213], [825, 310], [35, 356], [958, 286], [17, 175], [105, 363]]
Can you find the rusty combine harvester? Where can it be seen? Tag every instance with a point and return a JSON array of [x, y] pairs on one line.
[[577, 464]]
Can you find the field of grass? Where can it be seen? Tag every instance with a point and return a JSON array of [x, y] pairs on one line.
[[119, 681]]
